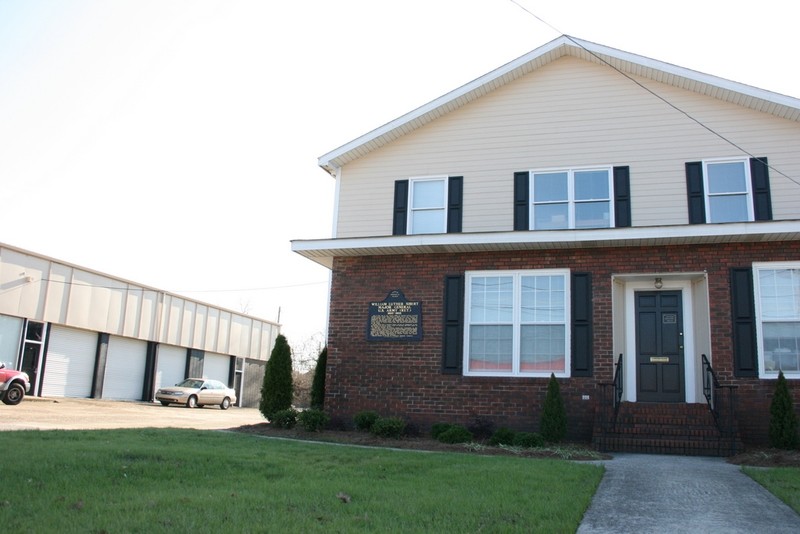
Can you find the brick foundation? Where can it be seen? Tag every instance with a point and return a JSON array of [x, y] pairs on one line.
[[405, 379]]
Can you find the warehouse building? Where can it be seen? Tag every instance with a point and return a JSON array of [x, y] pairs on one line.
[[81, 333]]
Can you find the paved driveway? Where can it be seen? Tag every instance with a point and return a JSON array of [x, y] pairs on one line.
[[74, 414]]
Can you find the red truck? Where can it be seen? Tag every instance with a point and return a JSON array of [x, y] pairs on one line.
[[13, 385]]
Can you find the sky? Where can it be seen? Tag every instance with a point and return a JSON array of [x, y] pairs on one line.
[[174, 143]]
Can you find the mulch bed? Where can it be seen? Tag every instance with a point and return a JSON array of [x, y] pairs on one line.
[[415, 443], [753, 457]]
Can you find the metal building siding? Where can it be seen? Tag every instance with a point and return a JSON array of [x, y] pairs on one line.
[[171, 367], [69, 368], [125, 369], [217, 366]]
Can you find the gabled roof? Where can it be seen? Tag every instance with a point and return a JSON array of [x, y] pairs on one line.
[[744, 95]]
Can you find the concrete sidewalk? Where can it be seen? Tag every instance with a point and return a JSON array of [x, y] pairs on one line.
[[667, 494]]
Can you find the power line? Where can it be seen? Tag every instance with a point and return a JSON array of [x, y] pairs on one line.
[[664, 100], [120, 288]]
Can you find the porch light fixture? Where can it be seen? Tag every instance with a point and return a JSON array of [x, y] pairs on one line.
[[658, 283]]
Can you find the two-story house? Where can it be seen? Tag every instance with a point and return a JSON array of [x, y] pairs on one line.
[[583, 212]]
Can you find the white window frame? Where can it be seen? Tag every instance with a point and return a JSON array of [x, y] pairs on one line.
[[763, 372], [412, 182], [748, 192], [517, 322], [570, 200]]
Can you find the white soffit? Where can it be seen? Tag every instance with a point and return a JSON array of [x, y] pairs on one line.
[[744, 95], [323, 251]]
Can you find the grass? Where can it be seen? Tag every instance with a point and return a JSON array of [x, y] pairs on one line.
[[170, 480], [783, 482]]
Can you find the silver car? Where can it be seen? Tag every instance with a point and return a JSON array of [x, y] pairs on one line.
[[194, 392]]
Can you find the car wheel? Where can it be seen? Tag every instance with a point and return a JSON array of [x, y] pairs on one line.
[[164, 403], [225, 404], [14, 395], [192, 402]]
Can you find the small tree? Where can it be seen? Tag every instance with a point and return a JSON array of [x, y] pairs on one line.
[[278, 387], [318, 385], [782, 419], [554, 417]]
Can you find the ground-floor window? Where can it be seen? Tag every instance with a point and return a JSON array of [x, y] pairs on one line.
[[777, 290], [517, 323]]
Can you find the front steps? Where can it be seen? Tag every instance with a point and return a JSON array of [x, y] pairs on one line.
[[663, 428]]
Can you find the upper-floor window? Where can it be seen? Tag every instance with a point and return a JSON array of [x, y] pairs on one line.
[[777, 291], [728, 195], [517, 323], [571, 199], [427, 212], [427, 205], [728, 190], [578, 198]]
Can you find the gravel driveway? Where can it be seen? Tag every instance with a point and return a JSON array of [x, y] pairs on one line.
[[35, 413]]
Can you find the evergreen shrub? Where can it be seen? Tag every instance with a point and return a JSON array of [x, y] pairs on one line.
[[554, 416], [388, 427], [318, 383], [277, 390], [782, 418], [528, 440], [313, 420], [284, 418], [502, 436], [439, 428], [364, 420], [456, 434]]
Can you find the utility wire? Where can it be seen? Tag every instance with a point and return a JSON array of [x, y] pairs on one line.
[[118, 288], [664, 100]]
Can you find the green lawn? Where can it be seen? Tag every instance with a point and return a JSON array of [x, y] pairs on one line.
[[783, 482], [169, 480]]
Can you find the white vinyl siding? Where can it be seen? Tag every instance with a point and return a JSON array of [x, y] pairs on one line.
[[574, 113], [125, 369], [171, 365], [69, 368]]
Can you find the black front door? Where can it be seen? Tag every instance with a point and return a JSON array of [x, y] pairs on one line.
[[32, 351], [659, 346]]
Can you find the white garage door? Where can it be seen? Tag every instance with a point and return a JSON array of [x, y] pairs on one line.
[[125, 368], [69, 367], [171, 365], [217, 366]]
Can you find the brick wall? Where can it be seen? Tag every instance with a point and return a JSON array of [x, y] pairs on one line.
[[404, 378]]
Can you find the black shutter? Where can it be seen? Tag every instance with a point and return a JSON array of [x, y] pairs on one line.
[[400, 207], [745, 361], [762, 200], [622, 197], [582, 324], [694, 189], [452, 341], [521, 200], [455, 189]]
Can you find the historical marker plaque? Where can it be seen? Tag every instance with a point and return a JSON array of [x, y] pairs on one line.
[[394, 319]]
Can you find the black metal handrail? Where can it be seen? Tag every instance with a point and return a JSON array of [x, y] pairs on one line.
[[721, 402], [611, 399]]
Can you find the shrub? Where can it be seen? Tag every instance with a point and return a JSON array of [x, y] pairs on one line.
[[456, 434], [313, 420], [782, 419], [277, 389], [365, 420], [502, 436], [388, 427], [318, 384], [439, 428], [554, 417], [481, 427], [284, 418], [530, 440]]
